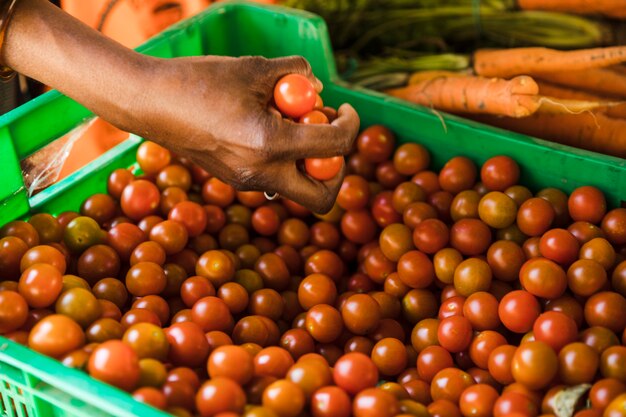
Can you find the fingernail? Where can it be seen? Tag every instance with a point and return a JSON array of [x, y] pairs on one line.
[[319, 86]]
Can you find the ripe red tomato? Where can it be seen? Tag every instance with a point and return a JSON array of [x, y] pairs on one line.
[[470, 236], [478, 400], [431, 235], [13, 311], [265, 221], [543, 278], [383, 211], [284, 397], [232, 362], [499, 173], [152, 157], [355, 372], [218, 193], [354, 193], [535, 216], [151, 396], [272, 361], [358, 226], [482, 345], [556, 329], [514, 404], [481, 309], [411, 158], [534, 364], [191, 215], [323, 169], [219, 395], [458, 174], [587, 204], [614, 226], [124, 238], [188, 344], [416, 270], [331, 401], [294, 95], [454, 333], [432, 360], [118, 180], [115, 363], [376, 143], [374, 402], [560, 246], [40, 285], [211, 313], [139, 199], [314, 117], [518, 311]]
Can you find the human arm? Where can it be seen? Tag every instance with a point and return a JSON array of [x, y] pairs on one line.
[[215, 110]]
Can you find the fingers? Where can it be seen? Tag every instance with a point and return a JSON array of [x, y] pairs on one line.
[[299, 141], [317, 196], [295, 65]]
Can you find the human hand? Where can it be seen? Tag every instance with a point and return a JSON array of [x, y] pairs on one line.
[[217, 111]]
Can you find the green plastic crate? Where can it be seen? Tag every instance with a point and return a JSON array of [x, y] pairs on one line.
[[35, 386]]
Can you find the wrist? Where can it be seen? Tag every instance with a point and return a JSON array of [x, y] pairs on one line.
[[173, 89]]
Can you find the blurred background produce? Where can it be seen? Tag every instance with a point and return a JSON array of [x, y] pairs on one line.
[[438, 48]]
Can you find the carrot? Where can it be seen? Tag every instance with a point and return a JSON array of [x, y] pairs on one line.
[[620, 69], [548, 89], [419, 76], [468, 94], [555, 105], [458, 93], [507, 63], [611, 8], [594, 132], [603, 81], [616, 111]]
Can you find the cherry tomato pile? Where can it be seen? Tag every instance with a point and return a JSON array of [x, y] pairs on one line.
[[457, 293]]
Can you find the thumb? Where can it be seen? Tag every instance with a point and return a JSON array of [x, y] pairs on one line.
[[295, 65]]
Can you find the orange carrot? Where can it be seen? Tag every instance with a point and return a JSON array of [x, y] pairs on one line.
[[611, 8], [595, 132], [602, 81], [507, 63], [620, 69], [556, 105], [548, 89], [616, 111], [419, 76], [458, 93], [514, 98]]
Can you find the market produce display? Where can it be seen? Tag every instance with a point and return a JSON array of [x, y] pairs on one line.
[[493, 61], [422, 293]]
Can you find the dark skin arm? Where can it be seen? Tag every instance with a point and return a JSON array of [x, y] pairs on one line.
[[214, 110]]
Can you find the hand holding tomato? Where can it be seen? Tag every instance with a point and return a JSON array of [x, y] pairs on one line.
[[214, 110], [295, 97], [219, 112]]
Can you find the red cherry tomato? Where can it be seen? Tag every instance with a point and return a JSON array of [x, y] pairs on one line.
[[518, 311], [115, 363], [294, 95], [314, 117], [323, 169], [139, 199], [354, 372]]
